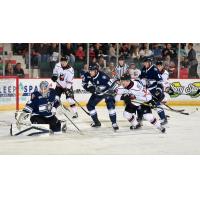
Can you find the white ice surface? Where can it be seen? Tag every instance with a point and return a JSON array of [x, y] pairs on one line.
[[182, 137]]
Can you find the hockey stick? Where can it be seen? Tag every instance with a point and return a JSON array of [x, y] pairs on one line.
[[70, 119], [169, 109], [75, 101]]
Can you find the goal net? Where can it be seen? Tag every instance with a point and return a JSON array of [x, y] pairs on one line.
[[9, 92]]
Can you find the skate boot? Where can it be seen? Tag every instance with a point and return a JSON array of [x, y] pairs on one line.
[[95, 124], [75, 115], [115, 126], [136, 126], [162, 129], [163, 122]]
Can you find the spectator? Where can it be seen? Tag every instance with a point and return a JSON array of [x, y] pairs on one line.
[[169, 51], [9, 70], [98, 51], [170, 67], [112, 53], [84, 70], [102, 62], [124, 51], [110, 70], [133, 71], [80, 54], [192, 62], [80, 58], [68, 50], [54, 55], [35, 55], [18, 71], [145, 51], [157, 51], [92, 53], [136, 56], [183, 55]]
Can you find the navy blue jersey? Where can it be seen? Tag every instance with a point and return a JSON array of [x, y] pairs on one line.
[[101, 80], [151, 77], [39, 105]]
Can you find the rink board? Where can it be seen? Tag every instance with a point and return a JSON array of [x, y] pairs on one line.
[[183, 87]]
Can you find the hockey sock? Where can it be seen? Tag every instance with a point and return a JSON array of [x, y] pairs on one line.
[[161, 114], [112, 115]]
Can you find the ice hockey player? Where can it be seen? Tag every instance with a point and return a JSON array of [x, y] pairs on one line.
[[135, 96], [98, 83], [63, 75], [152, 80], [42, 107], [165, 76], [121, 68]]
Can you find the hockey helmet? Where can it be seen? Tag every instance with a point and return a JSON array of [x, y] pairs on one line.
[[93, 66], [125, 77], [44, 87], [64, 58], [147, 59], [159, 62]]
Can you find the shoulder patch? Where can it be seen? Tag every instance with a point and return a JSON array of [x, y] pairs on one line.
[[104, 77]]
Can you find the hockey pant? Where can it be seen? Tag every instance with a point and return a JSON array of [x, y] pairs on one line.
[[110, 103], [70, 100], [159, 109], [54, 123]]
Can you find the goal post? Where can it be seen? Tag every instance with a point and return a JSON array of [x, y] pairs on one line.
[[9, 92]]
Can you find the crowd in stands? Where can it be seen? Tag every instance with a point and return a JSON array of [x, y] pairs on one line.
[[46, 55]]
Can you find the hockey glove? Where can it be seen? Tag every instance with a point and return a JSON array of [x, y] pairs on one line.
[[91, 89], [54, 78], [69, 93], [126, 98], [159, 95], [152, 104]]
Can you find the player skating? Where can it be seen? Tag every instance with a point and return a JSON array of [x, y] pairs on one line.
[[152, 80], [63, 75], [136, 100], [98, 83]]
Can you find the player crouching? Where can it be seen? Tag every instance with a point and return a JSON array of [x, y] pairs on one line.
[[136, 101], [42, 109]]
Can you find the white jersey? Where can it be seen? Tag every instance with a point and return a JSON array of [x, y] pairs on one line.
[[121, 70], [137, 91], [165, 77], [65, 76]]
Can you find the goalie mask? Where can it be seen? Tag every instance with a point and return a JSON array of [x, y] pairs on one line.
[[44, 88]]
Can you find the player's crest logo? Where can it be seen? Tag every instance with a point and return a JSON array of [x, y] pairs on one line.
[[62, 77]]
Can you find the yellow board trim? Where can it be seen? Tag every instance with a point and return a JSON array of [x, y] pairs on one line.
[[120, 103]]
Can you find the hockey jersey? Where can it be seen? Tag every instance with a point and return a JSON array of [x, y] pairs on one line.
[[65, 75], [39, 105], [101, 81], [151, 77], [120, 70], [136, 91], [165, 76]]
